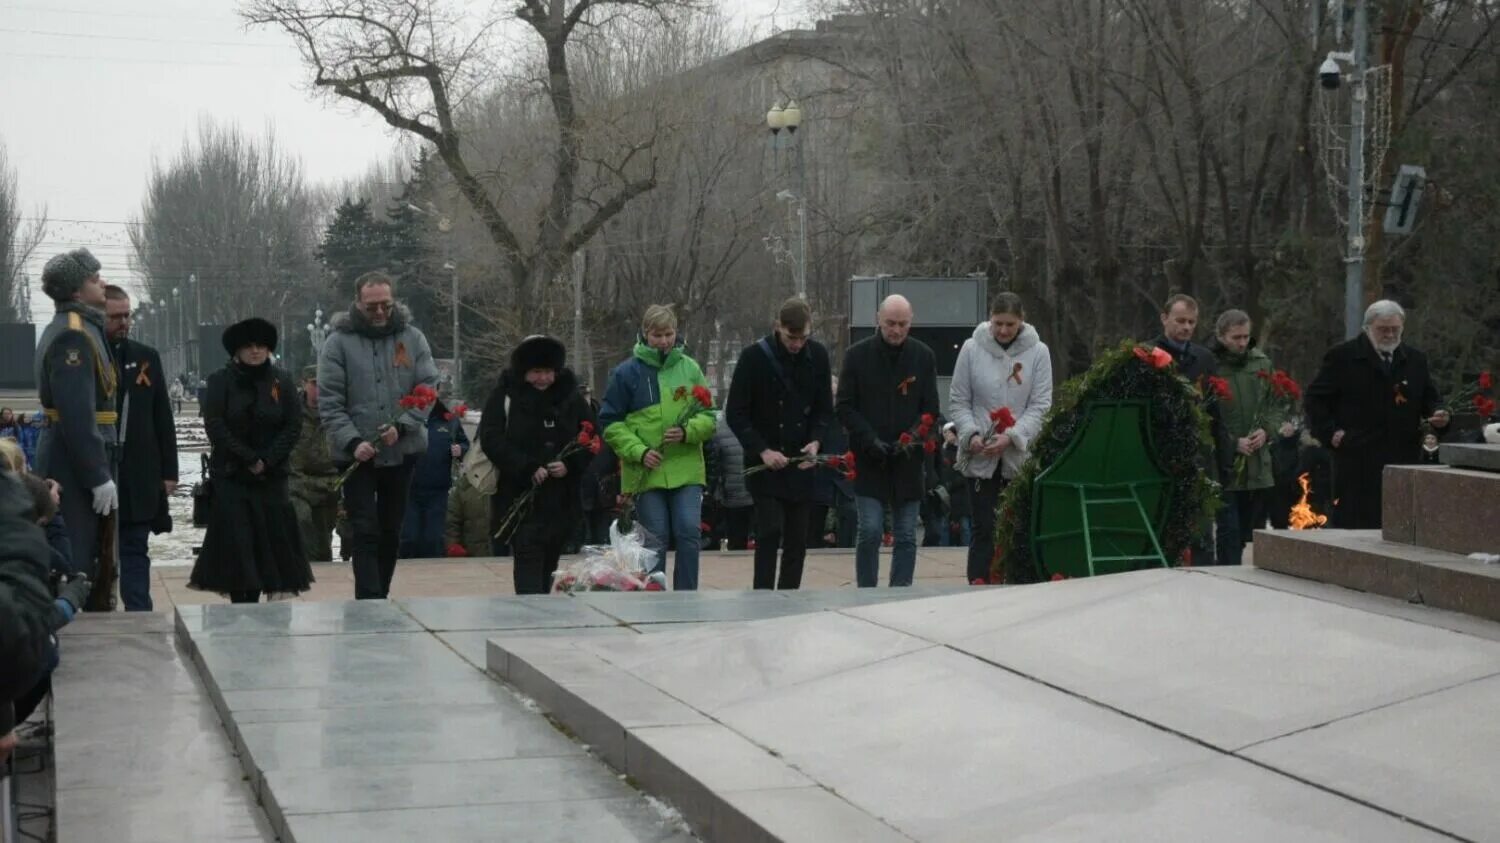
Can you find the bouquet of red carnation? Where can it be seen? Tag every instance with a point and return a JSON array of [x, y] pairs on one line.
[[1281, 395], [1001, 420], [587, 440], [1477, 396], [702, 402], [1217, 386], [920, 436], [843, 463], [421, 397]]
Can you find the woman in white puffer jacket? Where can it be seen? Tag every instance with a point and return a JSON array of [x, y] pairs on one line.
[[1004, 364]]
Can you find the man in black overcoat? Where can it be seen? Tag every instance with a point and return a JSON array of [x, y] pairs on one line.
[[148, 456], [780, 405], [1367, 405], [1179, 322], [888, 382]]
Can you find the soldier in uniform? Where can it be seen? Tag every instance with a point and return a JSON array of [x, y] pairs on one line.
[[77, 382], [148, 450], [314, 486]]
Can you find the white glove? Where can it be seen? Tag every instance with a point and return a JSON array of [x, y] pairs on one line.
[[106, 498]]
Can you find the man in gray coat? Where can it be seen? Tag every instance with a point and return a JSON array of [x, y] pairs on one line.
[[371, 360]]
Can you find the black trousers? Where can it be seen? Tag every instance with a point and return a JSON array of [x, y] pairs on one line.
[[737, 526], [1252, 504], [375, 502], [984, 497], [780, 525], [535, 548], [244, 597]]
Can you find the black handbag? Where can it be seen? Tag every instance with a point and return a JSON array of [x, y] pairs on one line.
[[203, 493]]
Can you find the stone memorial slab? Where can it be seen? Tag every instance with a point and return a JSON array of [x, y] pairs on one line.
[[484, 613], [1480, 457], [541, 822], [1231, 665], [1434, 758], [688, 606], [287, 618], [314, 661]]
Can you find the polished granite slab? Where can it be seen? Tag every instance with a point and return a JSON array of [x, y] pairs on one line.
[[141, 755], [1168, 705]]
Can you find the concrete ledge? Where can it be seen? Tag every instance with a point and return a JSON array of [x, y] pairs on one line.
[[1471, 455], [1363, 560], [1450, 509]]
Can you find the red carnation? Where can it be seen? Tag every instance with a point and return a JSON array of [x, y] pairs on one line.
[[595, 445], [1003, 418], [851, 474], [1058, 577], [584, 438], [457, 550], [904, 438], [1220, 387], [849, 458], [703, 396], [979, 581], [1486, 380], [586, 426], [927, 420], [930, 446], [705, 527]]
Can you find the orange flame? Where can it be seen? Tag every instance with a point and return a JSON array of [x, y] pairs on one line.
[[1302, 516]]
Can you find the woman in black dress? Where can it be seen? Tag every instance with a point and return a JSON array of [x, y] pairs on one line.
[[252, 415]]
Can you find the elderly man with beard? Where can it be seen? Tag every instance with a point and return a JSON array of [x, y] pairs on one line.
[[373, 357], [1367, 405]]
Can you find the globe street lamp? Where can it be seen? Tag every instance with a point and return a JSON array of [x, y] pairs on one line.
[[789, 117], [317, 332]]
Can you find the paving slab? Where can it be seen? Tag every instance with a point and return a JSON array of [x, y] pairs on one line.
[[481, 613], [1434, 758], [392, 661], [1482, 457], [688, 606], [567, 821], [1196, 654], [291, 618]]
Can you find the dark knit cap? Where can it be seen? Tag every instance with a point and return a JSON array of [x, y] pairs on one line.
[[64, 274], [310, 373], [252, 330], [538, 352]]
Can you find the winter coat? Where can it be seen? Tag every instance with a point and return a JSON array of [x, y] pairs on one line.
[[77, 384], [310, 457], [640, 402], [960, 503], [252, 542], [434, 472], [829, 485], [149, 452], [600, 484], [883, 392], [1251, 396], [1197, 364], [468, 520], [988, 377], [527, 436], [732, 489], [25, 600], [363, 373], [1381, 415], [782, 412]]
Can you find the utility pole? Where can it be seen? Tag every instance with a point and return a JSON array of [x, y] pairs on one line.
[[197, 324], [1354, 264], [578, 309]]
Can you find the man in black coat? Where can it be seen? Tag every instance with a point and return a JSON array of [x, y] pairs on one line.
[[1367, 405], [1179, 321], [148, 443], [887, 384], [26, 605], [780, 404]]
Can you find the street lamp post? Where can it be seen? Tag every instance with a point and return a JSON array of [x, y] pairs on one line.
[[197, 323], [789, 117], [182, 359], [317, 332]]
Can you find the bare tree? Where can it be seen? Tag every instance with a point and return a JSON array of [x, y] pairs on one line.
[[416, 63], [18, 243]]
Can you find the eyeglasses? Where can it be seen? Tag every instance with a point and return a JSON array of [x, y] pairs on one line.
[[379, 307]]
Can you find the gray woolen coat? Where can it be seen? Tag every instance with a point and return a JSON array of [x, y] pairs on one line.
[[987, 377], [363, 373]]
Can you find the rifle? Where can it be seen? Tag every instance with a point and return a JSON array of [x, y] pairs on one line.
[[102, 597]]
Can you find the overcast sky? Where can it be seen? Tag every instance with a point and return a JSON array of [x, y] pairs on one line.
[[90, 91]]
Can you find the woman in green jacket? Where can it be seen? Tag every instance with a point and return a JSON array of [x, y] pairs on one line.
[[1249, 417], [661, 464]]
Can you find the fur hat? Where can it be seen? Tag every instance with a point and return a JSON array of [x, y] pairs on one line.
[[538, 352], [64, 274], [252, 330]]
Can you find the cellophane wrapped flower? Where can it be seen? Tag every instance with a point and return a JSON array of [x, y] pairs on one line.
[[622, 565]]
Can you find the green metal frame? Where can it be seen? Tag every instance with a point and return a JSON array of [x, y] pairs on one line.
[[1101, 506]]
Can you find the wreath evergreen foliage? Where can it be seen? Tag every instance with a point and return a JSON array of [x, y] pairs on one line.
[[1180, 432]]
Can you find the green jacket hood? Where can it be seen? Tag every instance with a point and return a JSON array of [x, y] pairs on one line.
[[655, 359]]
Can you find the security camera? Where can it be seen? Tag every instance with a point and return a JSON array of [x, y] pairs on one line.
[[1329, 74]]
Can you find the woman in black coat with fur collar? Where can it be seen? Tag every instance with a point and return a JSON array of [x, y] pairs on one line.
[[252, 415], [533, 413]]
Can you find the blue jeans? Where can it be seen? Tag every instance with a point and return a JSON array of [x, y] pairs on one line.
[[872, 531], [422, 525], [675, 513], [135, 567]]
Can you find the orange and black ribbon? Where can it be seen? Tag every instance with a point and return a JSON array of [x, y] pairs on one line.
[[1015, 374]]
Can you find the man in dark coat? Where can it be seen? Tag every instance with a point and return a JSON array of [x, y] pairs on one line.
[[887, 384], [1367, 405], [148, 450], [25, 604], [780, 405], [1179, 321], [77, 382]]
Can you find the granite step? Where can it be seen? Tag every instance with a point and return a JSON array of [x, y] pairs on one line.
[[1444, 508], [1365, 560]]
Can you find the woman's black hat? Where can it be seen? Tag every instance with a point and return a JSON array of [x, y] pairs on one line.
[[252, 330], [538, 352]]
